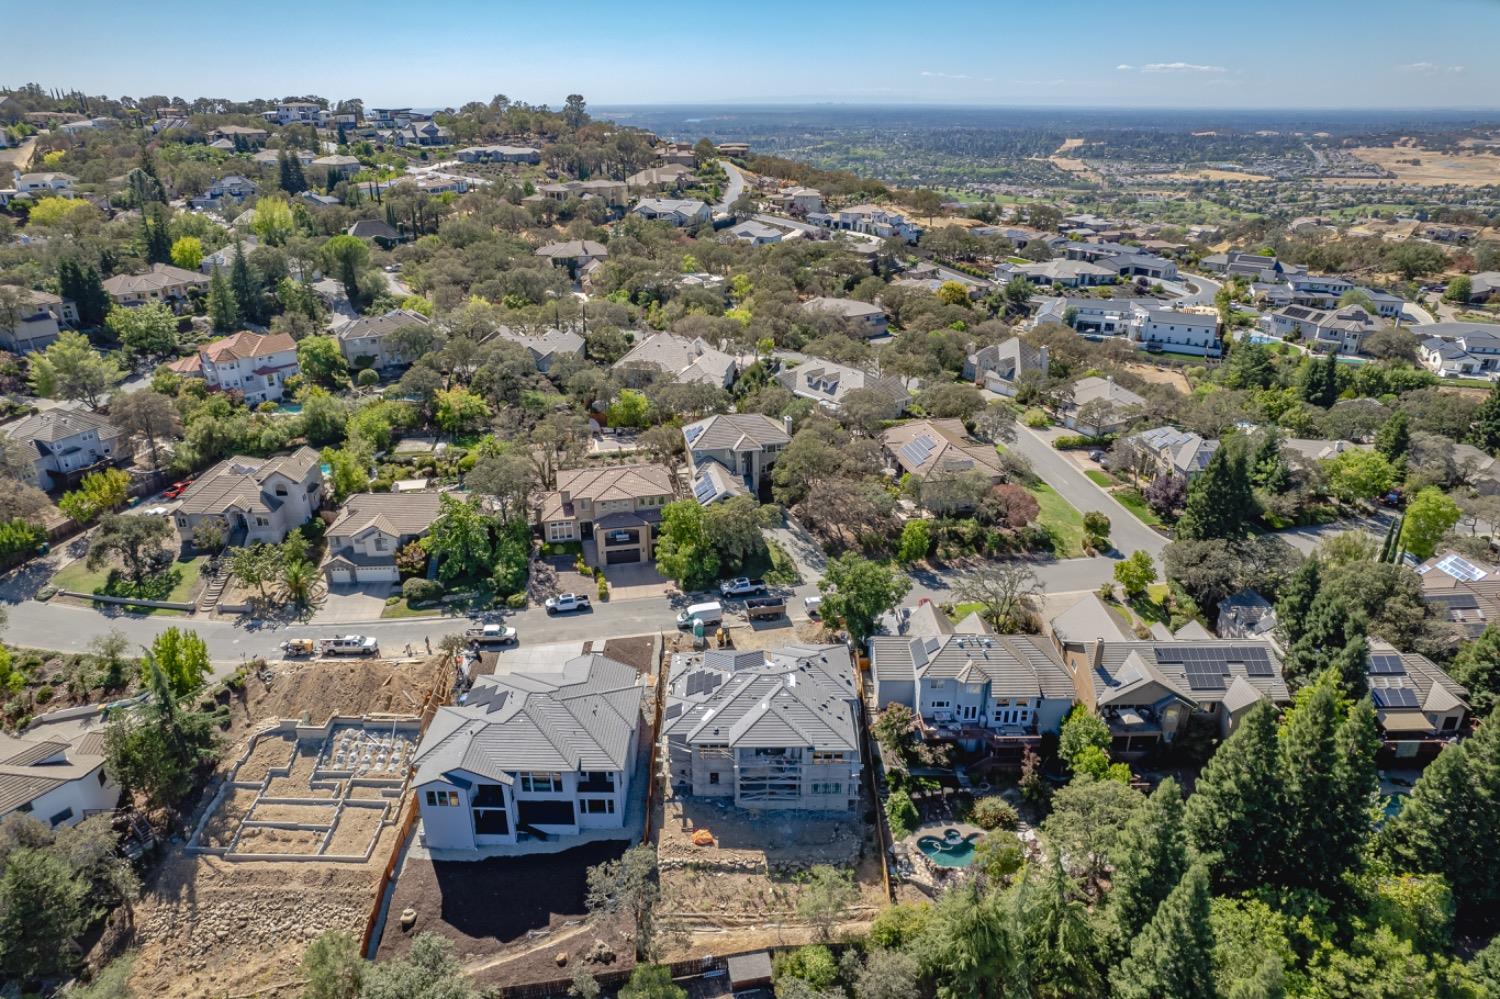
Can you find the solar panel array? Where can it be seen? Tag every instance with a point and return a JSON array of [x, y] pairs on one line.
[[1394, 697], [1206, 666], [1461, 568], [702, 682], [704, 489], [917, 451], [1386, 664]]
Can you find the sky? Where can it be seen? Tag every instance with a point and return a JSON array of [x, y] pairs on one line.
[[1087, 53]]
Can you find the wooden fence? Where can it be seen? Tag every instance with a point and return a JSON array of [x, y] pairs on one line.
[[872, 763]]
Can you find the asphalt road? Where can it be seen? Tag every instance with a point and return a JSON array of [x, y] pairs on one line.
[[1207, 289], [733, 189]]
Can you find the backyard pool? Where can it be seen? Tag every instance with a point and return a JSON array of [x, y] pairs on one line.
[[951, 849]]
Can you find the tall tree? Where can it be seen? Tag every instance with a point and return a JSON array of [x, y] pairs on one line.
[[1429, 516], [1394, 437], [972, 948], [1150, 859], [1485, 430], [1477, 667], [223, 310], [1220, 502], [1233, 819], [460, 539], [684, 551], [72, 369], [1173, 956], [247, 293], [1319, 385], [857, 591], [146, 330], [1296, 600], [1062, 943], [81, 284]]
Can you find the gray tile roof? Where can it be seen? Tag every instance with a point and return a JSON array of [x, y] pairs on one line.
[[381, 325], [734, 432], [54, 425], [1016, 666], [1142, 673], [397, 514], [239, 481]]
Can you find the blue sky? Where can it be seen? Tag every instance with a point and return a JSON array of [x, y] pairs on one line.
[[1161, 53]]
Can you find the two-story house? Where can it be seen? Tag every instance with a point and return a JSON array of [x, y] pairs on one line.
[[65, 445], [256, 365], [255, 499], [1000, 367], [999, 693], [44, 183], [614, 511], [688, 360], [290, 112], [931, 449], [1418, 707], [367, 343], [531, 755], [370, 529], [37, 323], [1461, 350], [162, 283], [829, 384], [59, 780], [1176, 331], [1169, 451], [865, 318], [545, 345], [745, 445], [1335, 331], [765, 729]]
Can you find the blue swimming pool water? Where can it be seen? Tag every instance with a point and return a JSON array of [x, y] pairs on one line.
[[952, 849]]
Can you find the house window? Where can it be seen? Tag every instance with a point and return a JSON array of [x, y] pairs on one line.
[[442, 799], [101, 778], [820, 757], [262, 522], [713, 778], [380, 544], [539, 782], [1450, 723], [827, 788], [61, 817], [281, 490], [598, 806]]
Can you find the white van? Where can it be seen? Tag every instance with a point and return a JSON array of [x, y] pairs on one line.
[[710, 614]]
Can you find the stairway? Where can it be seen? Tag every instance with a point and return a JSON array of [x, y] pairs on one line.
[[214, 589]]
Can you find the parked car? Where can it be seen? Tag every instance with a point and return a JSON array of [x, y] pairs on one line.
[[176, 489], [707, 614], [349, 645], [565, 602], [1096, 455], [491, 634], [742, 587], [812, 604]]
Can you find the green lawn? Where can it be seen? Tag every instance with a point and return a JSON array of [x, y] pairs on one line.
[[961, 611], [574, 548], [1059, 519], [402, 609], [176, 585], [1099, 478], [1132, 500]]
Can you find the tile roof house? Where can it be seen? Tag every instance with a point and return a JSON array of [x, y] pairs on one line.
[[366, 342], [1065, 273], [613, 509], [547, 345], [757, 233], [1247, 614], [256, 365], [370, 528], [1460, 350], [1118, 406], [677, 211], [744, 444], [162, 283], [689, 361], [1328, 331], [767, 729], [1418, 706], [224, 258], [36, 325], [57, 781], [531, 755], [574, 253], [1087, 621], [50, 182], [999, 366], [867, 319], [66, 444], [1146, 691], [500, 154], [1483, 286], [929, 448], [1461, 591], [1173, 451], [377, 230], [829, 384], [669, 175], [257, 499]]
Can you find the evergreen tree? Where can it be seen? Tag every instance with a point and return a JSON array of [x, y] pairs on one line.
[[1220, 502], [82, 285], [1149, 860], [1328, 628], [158, 238], [1394, 437], [972, 947], [1061, 943], [1173, 956], [1233, 819], [242, 283], [222, 308], [1297, 598], [1477, 667], [1319, 382], [1485, 430], [1327, 774], [1447, 826]]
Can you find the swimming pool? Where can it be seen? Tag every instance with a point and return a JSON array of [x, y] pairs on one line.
[[952, 849]]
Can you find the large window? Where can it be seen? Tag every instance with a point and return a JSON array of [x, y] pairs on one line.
[[442, 799], [541, 782], [598, 806]]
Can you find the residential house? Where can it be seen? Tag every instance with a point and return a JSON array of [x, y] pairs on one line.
[[1116, 407], [59, 781], [757, 233], [933, 276], [689, 361], [1247, 615], [1169, 451], [829, 384], [337, 163], [871, 220], [713, 483], [223, 258], [35, 325], [613, 510], [1339, 331], [162, 283], [256, 365], [765, 729], [367, 341], [1418, 707], [1177, 331], [611, 192], [531, 755], [1461, 350], [388, 117], [1482, 286], [1086, 622], [64, 445], [423, 133], [573, 254], [657, 178], [1062, 272], [865, 318], [377, 231], [998, 693], [930, 449], [1124, 261], [547, 344], [798, 200], [45, 183], [500, 154], [1238, 263], [744, 444], [999, 367], [370, 529], [677, 211], [678, 153], [1146, 692], [734, 149], [233, 188], [1312, 450], [1461, 591], [289, 112], [255, 499]]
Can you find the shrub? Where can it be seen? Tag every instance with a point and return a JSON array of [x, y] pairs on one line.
[[901, 813], [419, 591], [43, 694], [580, 566], [1072, 442], [367, 378], [993, 812], [1035, 419], [516, 601], [813, 964], [603, 588]]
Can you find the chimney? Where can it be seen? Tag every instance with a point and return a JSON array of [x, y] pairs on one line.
[[786, 421], [1096, 654]]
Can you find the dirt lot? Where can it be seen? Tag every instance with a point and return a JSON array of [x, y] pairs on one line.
[[1208, 173], [508, 916], [1469, 170], [210, 926], [1161, 376]]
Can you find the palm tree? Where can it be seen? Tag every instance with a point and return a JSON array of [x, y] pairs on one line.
[[298, 576]]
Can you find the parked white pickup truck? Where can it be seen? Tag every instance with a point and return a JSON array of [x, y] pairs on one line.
[[565, 602], [349, 645], [491, 634]]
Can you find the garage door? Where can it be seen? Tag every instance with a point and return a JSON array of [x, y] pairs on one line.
[[622, 555], [376, 574], [336, 576]]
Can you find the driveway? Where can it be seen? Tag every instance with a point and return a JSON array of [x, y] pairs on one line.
[[351, 604], [1127, 534]]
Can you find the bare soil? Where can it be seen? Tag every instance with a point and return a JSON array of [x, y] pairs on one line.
[[1161, 376], [1429, 168], [307, 815], [268, 755], [219, 830], [261, 839], [351, 836]]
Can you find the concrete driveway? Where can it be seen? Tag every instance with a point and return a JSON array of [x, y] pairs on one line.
[[351, 604]]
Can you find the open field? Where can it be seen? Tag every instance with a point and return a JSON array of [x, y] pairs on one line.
[[1207, 173], [1468, 170]]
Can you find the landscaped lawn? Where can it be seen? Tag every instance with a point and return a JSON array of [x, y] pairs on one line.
[[176, 585], [402, 609], [1060, 519], [1132, 500], [1099, 478]]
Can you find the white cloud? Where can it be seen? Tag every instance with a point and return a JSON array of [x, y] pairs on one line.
[[1125, 66], [1181, 67], [1428, 68], [955, 76]]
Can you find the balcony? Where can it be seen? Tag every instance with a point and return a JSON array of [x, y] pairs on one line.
[[945, 729]]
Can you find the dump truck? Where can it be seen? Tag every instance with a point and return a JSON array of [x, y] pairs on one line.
[[765, 607]]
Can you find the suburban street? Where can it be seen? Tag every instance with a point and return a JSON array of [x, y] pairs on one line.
[[733, 189]]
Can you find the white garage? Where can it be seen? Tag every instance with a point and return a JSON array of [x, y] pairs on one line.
[[342, 572]]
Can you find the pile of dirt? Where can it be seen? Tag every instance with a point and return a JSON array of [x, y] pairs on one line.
[[313, 691]]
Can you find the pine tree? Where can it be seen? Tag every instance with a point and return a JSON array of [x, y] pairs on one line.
[[1394, 437], [158, 238], [1173, 956], [1319, 383], [1477, 667], [1268, 467], [1485, 430], [1321, 789], [222, 308], [1149, 860], [1297, 598], [1351, 662], [81, 284], [247, 297], [1326, 630], [1233, 819], [1061, 942], [1220, 502]]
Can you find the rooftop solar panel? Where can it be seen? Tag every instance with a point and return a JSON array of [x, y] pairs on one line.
[[1386, 664], [1461, 568]]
